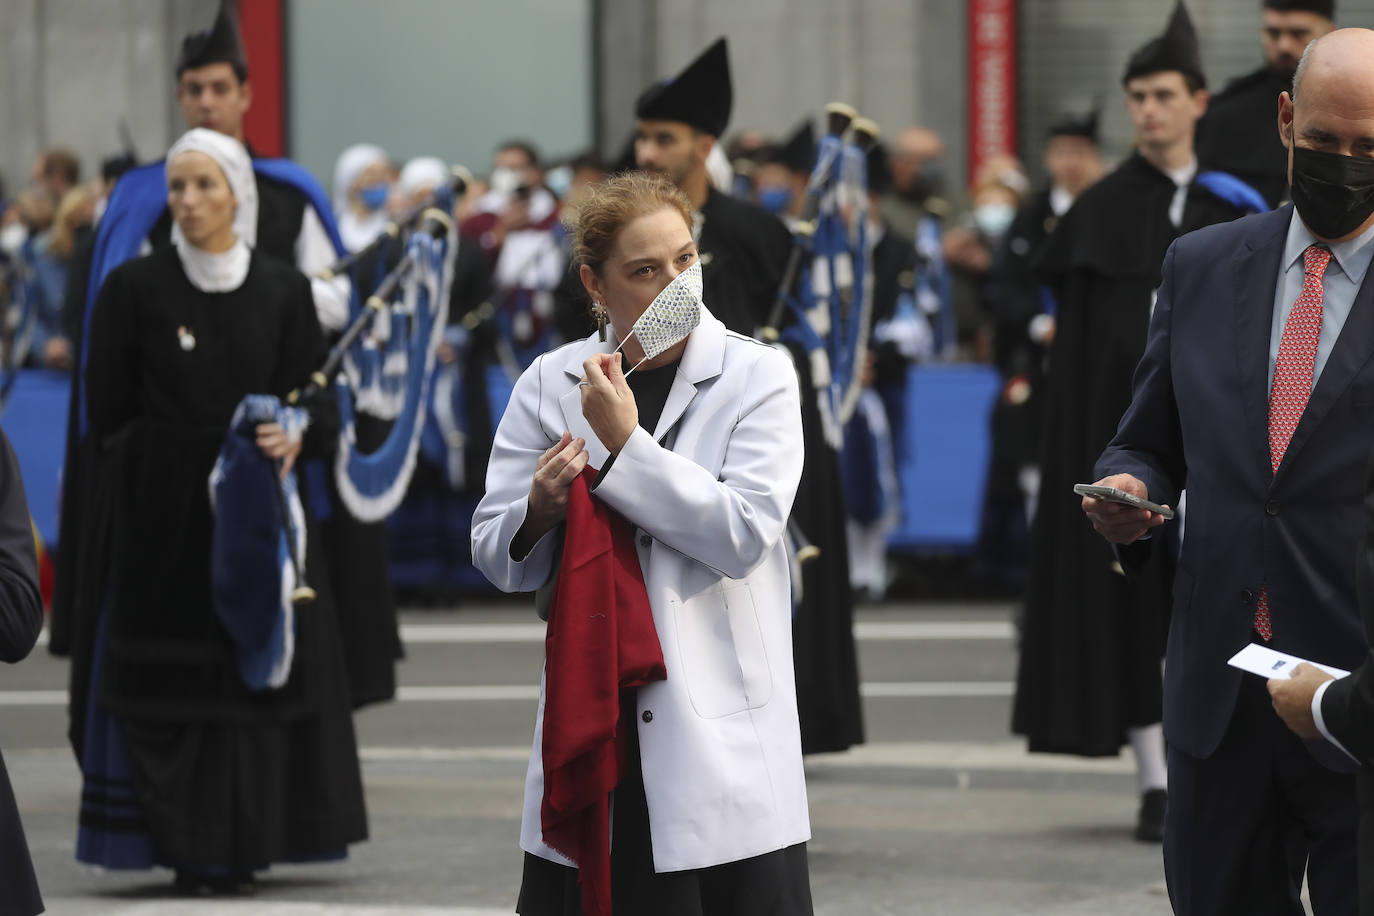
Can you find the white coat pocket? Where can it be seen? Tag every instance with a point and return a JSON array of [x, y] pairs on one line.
[[724, 660]]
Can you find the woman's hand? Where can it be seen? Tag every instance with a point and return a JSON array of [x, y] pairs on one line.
[[607, 401], [553, 476], [277, 445]]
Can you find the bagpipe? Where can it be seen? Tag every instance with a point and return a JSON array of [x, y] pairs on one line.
[[18, 315], [383, 363], [827, 286]]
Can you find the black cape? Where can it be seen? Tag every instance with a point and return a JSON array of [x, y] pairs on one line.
[[744, 251], [1239, 133], [275, 771], [1092, 639], [1011, 298]]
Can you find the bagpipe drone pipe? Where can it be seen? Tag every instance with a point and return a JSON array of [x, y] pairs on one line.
[[827, 287]]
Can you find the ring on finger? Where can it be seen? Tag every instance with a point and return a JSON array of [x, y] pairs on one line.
[[584, 384]]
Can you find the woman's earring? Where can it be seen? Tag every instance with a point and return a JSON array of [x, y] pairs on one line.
[[602, 316]]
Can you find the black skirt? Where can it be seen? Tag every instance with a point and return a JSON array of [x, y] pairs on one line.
[[773, 884]]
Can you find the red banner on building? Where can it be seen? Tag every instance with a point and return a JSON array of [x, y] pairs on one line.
[[262, 24], [992, 80]]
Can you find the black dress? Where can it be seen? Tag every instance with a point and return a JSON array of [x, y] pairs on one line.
[[1092, 639], [773, 884], [21, 620], [184, 765]]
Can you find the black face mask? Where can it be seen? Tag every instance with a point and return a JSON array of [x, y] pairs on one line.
[[1334, 194]]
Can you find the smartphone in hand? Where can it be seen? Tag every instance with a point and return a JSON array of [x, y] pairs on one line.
[[1115, 495]]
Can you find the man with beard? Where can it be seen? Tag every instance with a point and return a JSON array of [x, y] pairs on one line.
[[1237, 135], [744, 251], [1089, 679]]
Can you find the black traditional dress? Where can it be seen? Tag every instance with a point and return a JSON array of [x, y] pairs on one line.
[[184, 765], [773, 884], [1240, 134], [1093, 639]]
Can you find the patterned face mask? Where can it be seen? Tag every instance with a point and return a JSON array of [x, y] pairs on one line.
[[672, 315]]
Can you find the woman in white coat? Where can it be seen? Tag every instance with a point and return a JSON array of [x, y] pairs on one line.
[[700, 450]]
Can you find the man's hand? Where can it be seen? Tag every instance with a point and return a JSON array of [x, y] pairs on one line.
[[1117, 522], [607, 401], [1292, 698]]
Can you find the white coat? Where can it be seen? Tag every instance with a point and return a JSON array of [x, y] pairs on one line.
[[719, 739]]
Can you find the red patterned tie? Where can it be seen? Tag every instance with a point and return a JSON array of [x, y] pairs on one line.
[[1293, 381]]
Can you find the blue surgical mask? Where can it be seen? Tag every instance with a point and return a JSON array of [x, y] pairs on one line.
[[994, 219], [373, 197], [776, 199]]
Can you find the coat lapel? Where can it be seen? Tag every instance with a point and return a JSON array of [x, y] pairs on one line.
[[703, 359], [1255, 270], [1354, 346]]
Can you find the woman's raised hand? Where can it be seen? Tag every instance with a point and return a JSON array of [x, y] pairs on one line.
[[553, 475], [607, 401]]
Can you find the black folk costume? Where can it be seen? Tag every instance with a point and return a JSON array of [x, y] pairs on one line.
[[744, 251], [294, 227], [1015, 301], [1093, 640], [21, 622], [184, 766], [1239, 133]]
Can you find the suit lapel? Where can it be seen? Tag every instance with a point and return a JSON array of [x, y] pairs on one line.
[[1354, 346], [1256, 269]]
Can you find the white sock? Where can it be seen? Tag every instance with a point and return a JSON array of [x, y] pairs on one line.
[[1148, 744]]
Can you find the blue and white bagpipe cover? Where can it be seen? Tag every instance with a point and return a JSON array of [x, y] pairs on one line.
[[388, 374], [833, 300], [251, 572], [17, 319]]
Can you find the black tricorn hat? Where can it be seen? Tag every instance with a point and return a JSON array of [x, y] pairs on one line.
[[699, 96], [1325, 8], [798, 152], [1176, 49], [219, 44], [1076, 125]]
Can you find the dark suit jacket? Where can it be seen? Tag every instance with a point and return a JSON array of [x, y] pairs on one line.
[[21, 619], [1199, 418], [1348, 704]]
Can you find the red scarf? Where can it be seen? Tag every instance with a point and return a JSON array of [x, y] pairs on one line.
[[601, 638]]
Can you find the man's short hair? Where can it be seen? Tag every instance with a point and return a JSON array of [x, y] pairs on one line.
[[523, 146]]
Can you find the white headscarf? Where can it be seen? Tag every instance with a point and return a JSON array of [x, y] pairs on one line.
[[422, 172], [218, 272], [350, 164], [233, 161]]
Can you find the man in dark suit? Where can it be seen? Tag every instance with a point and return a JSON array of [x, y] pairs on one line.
[[1255, 392], [21, 619]]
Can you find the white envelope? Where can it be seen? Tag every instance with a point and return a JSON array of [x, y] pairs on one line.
[[1267, 663]]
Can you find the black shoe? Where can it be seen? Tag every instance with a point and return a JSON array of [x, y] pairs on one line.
[[1149, 824], [190, 884]]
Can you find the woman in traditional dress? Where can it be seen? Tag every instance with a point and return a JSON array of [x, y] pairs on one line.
[[696, 460], [184, 765]]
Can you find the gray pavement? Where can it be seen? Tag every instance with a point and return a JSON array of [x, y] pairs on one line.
[[941, 813]]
